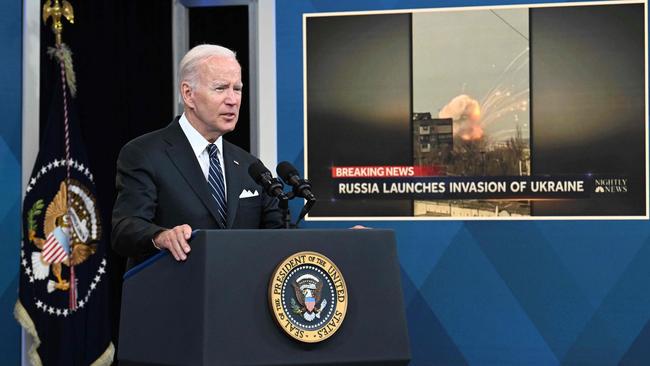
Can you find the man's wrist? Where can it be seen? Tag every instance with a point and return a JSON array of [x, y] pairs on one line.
[[153, 240]]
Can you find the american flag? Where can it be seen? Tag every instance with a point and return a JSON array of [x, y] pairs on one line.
[[56, 247]]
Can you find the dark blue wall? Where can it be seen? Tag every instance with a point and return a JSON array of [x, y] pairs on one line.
[[496, 292], [10, 174]]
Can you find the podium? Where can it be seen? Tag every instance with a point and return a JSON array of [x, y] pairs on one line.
[[213, 309]]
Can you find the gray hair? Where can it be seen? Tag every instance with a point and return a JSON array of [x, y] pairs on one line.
[[188, 68]]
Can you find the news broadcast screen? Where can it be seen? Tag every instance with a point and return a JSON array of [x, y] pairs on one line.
[[535, 111]]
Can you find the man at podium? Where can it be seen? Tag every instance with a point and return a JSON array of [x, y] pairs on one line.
[[186, 176]]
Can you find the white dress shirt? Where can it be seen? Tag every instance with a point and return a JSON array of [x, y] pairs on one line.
[[200, 148]]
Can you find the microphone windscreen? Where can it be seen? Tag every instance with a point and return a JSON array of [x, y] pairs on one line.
[[285, 170], [257, 170]]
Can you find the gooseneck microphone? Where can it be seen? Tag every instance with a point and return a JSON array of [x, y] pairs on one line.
[[290, 175], [262, 176]]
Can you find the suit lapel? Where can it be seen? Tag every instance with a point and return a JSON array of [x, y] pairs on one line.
[[182, 156], [234, 181]]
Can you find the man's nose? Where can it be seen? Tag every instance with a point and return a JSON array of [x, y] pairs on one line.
[[231, 97]]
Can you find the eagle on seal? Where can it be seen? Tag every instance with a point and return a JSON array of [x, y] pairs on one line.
[[308, 293], [69, 228]]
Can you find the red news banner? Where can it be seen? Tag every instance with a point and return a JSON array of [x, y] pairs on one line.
[[385, 171]]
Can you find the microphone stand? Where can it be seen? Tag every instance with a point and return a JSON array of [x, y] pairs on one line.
[[309, 203], [297, 192], [305, 209], [284, 209]]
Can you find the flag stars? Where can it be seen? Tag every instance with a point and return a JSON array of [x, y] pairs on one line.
[[28, 271], [81, 303], [32, 181], [31, 279], [43, 170], [24, 262], [56, 163], [49, 166]]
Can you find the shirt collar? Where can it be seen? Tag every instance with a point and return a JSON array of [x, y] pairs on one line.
[[197, 141]]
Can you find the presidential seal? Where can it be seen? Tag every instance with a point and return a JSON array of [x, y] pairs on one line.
[[308, 297], [62, 230]]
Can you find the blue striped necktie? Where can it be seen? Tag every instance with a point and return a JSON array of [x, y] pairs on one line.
[[216, 183]]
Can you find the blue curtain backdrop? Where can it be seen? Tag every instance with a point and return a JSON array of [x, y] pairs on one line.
[[495, 292], [10, 177]]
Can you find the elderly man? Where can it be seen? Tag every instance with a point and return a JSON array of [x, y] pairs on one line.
[[186, 176]]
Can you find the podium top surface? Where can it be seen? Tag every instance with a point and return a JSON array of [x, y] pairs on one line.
[[203, 235]]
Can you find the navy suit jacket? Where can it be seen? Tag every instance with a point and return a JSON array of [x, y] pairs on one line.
[[160, 185]]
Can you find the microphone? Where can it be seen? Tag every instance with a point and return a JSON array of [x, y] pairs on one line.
[[263, 177], [289, 174]]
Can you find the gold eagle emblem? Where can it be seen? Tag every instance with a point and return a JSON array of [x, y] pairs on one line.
[[68, 215]]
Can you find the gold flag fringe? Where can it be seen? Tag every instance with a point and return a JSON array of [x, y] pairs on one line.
[[64, 55], [21, 315], [107, 357]]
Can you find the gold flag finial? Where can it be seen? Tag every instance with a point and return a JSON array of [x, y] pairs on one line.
[[56, 11]]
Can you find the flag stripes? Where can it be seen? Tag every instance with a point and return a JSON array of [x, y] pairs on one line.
[[53, 251]]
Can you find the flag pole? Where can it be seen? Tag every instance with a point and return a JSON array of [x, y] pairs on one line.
[[56, 10]]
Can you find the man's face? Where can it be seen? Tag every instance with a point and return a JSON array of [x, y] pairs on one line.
[[212, 106]]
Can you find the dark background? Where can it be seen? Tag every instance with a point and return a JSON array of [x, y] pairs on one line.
[[123, 62], [359, 105], [587, 102]]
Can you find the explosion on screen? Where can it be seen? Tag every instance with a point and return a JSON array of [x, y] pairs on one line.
[[503, 102], [466, 114]]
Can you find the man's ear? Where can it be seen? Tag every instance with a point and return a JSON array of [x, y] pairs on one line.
[[187, 94]]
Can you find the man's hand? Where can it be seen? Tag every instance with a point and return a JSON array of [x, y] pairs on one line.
[[358, 227], [175, 240]]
